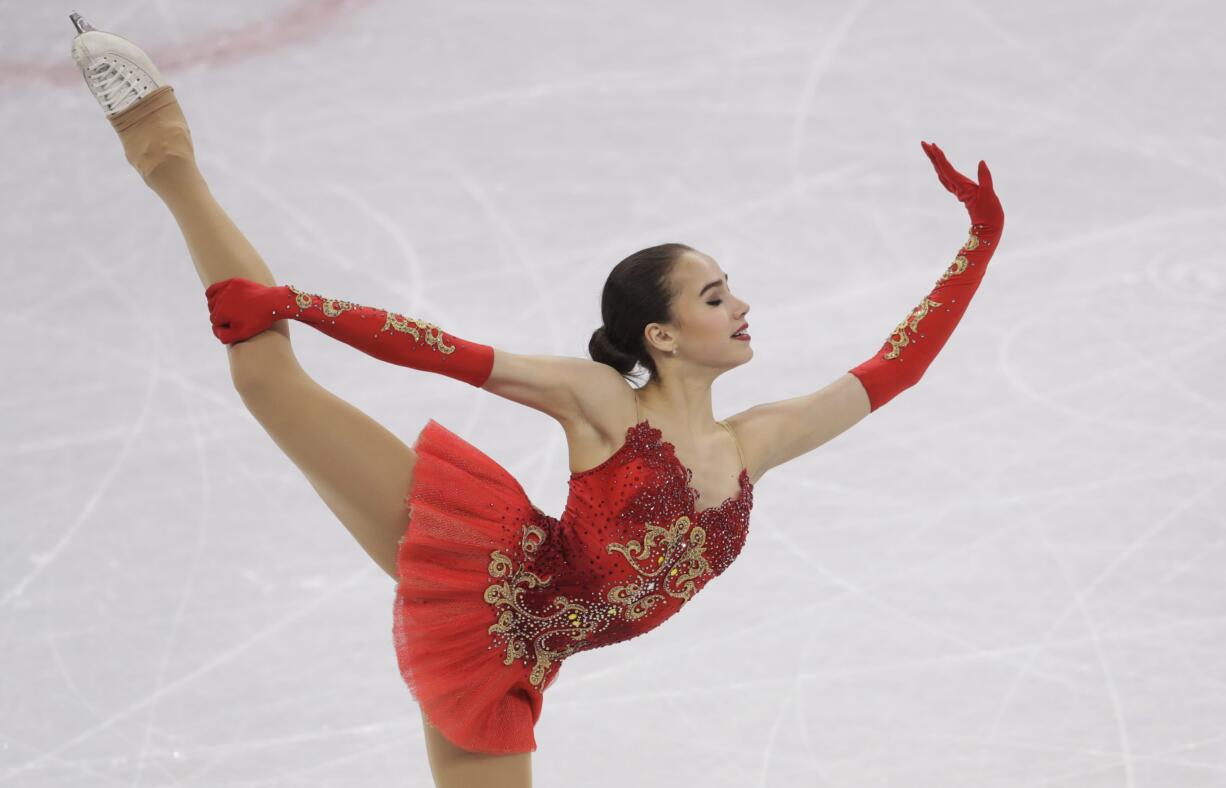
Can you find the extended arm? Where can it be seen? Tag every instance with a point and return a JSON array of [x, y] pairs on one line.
[[915, 342], [240, 308], [777, 432], [555, 385]]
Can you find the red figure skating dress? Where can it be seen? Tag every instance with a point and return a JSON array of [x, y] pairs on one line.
[[494, 594]]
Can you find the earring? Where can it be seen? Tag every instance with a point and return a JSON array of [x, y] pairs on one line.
[[674, 351]]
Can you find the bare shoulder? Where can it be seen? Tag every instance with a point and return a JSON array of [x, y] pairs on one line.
[[753, 432], [749, 433]]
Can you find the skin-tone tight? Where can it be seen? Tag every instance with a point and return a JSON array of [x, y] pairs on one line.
[[361, 470]]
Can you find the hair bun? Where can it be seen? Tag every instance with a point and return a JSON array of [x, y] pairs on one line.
[[603, 349]]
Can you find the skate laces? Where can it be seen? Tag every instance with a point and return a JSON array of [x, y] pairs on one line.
[[116, 86]]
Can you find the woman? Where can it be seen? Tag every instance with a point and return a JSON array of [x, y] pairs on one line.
[[492, 594]]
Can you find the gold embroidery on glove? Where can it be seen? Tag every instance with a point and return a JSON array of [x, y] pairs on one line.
[[402, 324], [912, 320], [960, 262], [330, 306], [333, 307], [956, 267]]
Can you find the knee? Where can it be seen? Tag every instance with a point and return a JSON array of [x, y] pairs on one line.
[[245, 372], [263, 364]]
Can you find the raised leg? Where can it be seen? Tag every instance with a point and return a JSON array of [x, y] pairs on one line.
[[158, 144], [360, 469], [454, 767]]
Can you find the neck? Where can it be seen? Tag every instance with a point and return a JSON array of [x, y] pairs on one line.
[[684, 406]]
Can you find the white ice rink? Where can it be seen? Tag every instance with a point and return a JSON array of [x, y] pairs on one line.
[[1011, 576]]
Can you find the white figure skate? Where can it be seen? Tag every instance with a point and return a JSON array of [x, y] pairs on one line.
[[117, 72]]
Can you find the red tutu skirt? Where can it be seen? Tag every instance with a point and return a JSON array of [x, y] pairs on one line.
[[462, 506]]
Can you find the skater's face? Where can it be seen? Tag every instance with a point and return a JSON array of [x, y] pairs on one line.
[[706, 314]]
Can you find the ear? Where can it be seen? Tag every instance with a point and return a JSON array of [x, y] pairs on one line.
[[657, 336]]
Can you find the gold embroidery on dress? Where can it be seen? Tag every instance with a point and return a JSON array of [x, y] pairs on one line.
[[521, 625], [333, 307], [691, 563], [576, 621], [917, 314]]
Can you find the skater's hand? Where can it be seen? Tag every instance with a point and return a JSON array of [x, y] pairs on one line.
[[240, 308], [980, 199]]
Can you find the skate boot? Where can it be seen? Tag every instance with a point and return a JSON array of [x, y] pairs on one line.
[[117, 72], [138, 102]]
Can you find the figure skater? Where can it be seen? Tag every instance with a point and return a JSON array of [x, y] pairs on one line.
[[491, 593]]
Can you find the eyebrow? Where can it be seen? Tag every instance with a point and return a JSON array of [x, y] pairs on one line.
[[709, 285]]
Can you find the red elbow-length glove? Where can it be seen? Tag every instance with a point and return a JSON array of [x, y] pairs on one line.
[[240, 308], [906, 354]]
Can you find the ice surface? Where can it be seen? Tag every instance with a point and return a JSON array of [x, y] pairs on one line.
[[1011, 575]]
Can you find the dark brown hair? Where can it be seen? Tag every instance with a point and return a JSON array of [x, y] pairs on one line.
[[637, 292]]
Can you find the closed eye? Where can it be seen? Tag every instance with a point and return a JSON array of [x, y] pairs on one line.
[[715, 303]]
